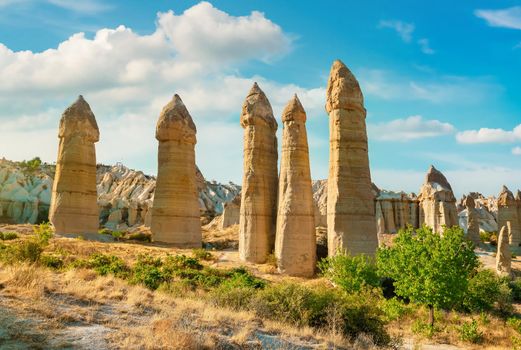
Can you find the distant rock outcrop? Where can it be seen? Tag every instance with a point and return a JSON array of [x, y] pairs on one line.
[[503, 255], [73, 204], [472, 223], [437, 203]]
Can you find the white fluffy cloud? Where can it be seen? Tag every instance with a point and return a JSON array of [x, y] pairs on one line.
[[127, 78], [410, 128], [516, 151], [403, 29], [507, 18], [487, 135]]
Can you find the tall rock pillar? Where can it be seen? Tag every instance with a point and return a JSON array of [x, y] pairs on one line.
[[259, 184], [175, 211], [507, 215], [73, 204], [351, 223], [503, 254], [295, 245], [472, 220]]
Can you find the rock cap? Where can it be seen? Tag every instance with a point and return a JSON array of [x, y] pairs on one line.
[[175, 123], [343, 90], [505, 197], [294, 111], [436, 176], [78, 120], [469, 202], [256, 109]]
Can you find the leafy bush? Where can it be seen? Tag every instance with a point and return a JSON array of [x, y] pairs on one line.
[[321, 308], [108, 264], [7, 236], [148, 271], [43, 232], [236, 291], [515, 287], [202, 254], [482, 292], [429, 268], [351, 273], [468, 331], [394, 309], [51, 261], [31, 165], [140, 236], [515, 323], [424, 329]]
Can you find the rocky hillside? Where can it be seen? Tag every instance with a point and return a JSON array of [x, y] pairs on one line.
[[125, 196]]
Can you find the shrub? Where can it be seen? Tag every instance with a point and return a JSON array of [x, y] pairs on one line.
[[202, 254], [351, 273], [140, 236], [482, 292], [108, 264], [468, 331], [43, 232], [51, 261], [31, 165], [321, 308], [148, 271], [515, 323], [236, 291], [7, 236], [515, 287], [393, 309]]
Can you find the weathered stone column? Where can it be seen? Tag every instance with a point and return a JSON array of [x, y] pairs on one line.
[[472, 220], [73, 203], [295, 245], [507, 215], [175, 211], [503, 255], [259, 184], [351, 224]]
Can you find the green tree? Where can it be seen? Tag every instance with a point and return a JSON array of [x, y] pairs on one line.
[[429, 268]]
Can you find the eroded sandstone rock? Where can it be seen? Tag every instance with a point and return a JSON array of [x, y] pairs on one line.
[[472, 227], [231, 213], [503, 255], [175, 212], [437, 202], [508, 217], [73, 204], [259, 187], [351, 219], [295, 245]]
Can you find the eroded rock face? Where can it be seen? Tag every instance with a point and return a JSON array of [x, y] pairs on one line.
[[295, 246], [472, 224], [437, 202], [508, 216], [351, 219], [259, 187], [231, 213], [395, 211], [73, 203], [503, 255], [175, 211], [25, 195]]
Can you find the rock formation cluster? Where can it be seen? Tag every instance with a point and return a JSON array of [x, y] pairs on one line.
[[175, 211], [437, 203], [295, 246], [73, 207], [260, 179], [351, 222]]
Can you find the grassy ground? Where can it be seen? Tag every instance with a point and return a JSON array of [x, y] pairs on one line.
[[77, 307]]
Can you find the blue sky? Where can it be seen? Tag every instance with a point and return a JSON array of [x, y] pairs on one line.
[[441, 81]]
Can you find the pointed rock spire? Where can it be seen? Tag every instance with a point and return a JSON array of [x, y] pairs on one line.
[[174, 121], [343, 90], [257, 109], [436, 176], [78, 119], [294, 110]]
